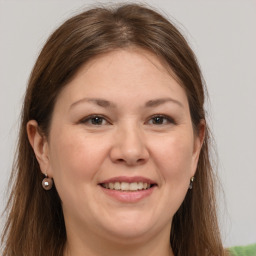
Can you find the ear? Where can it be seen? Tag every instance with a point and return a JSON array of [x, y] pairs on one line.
[[40, 146], [198, 142]]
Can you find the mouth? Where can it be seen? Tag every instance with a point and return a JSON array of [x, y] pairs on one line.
[[128, 189], [127, 186]]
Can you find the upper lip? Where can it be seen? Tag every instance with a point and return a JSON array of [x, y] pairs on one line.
[[129, 180]]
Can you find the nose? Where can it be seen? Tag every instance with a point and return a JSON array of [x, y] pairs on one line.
[[129, 146]]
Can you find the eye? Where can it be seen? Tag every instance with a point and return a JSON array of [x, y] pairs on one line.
[[161, 120], [94, 120]]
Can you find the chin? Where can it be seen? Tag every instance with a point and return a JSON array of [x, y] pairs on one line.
[[130, 235], [131, 228]]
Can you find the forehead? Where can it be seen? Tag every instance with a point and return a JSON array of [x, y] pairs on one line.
[[124, 73], [128, 60]]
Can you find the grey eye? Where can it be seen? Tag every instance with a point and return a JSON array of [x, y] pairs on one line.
[[97, 120], [94, 120], [160, 120]]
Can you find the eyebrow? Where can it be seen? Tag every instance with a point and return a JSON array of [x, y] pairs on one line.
[[157, 102], [107, 104], [100, 102]]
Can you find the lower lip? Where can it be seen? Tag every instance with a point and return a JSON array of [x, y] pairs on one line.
[[128, 197]]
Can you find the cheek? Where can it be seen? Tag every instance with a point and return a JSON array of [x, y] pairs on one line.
[[173, 157], [75, 157]]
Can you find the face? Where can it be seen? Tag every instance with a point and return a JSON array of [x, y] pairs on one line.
[[121, 148]]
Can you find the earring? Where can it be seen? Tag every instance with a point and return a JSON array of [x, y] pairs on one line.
[[47, 182], [191, 182]]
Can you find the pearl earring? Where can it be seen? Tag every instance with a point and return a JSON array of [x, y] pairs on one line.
[[47, 182], [191, 182]]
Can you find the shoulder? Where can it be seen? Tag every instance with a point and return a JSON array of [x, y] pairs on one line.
[[248, 250]]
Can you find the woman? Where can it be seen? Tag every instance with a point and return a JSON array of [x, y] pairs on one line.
[[113, 149]]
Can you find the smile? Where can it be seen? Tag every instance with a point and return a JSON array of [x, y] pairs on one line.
[[128, 189], [126, 186]]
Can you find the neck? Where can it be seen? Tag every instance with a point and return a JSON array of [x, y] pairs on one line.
[[96, 246], [117, 251]]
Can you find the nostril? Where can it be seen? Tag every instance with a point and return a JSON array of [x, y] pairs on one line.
[[141, 160], [120, 160], [130, 161], [135, 162]]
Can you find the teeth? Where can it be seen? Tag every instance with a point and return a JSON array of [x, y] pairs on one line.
[[125, 186], [117, 186], [140, 185], [134, 186], [111, 185]]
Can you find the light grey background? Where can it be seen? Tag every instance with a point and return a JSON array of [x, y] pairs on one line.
[[223, 36]]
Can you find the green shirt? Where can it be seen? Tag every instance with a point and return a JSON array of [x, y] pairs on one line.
[[249, 250]]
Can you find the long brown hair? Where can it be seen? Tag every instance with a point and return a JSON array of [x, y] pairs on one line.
[[35, 224]]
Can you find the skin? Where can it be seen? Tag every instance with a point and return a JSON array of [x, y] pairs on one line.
[[128, 141]]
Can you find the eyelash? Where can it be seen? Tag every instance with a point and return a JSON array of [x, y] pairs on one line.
[[102, 118], [90, 118], [168, 118]]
